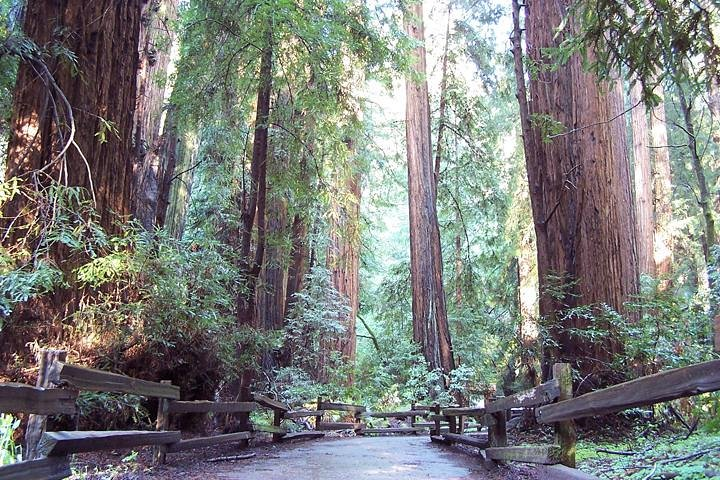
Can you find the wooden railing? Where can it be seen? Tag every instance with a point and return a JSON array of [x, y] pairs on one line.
[[554, 404]]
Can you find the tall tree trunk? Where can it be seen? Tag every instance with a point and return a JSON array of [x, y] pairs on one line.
[[343, 257], [581, 196], [663, 192], [430, 322], [51, 96], [527, 290], [178, 180], [253, 200], [644, 210], [156, 43]]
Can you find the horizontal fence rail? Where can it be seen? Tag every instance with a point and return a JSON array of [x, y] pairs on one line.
[[657, 388]]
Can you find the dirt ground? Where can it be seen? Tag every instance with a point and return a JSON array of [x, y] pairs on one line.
[[381, 458]]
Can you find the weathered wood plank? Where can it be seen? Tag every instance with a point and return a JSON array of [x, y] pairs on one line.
[[299, 436], [54, 468], [268, 402], [341, 407], [660, 387], [162, 423], [303, 414], [54, 444], [84, 378], [540, 395], [204, 406], [409, 413], [201, 442], [463, 411], [565, 434], [546, 455], [478, 442], [21, 398], [561, 472], [327, 426]]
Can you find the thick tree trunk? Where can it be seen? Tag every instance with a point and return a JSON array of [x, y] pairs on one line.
[[644, 210], [343, 258], [430, 322], [663, 192], [178, 180], [150, 166], [51, 97], [104, 90], [581, 196]]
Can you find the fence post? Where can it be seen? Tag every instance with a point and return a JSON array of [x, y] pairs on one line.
[[497, 427], [36, 423], [565, 434], [436, 410], [162, 422], [277, 421]]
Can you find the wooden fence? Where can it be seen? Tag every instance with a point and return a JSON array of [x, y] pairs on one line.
[[552, 402]]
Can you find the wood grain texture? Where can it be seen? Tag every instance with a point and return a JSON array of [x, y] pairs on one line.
[[21, 398], [341, 407], [464, 411], [303, 414], [91, 379], [660, 387], [201, 442], [268, 402], [540, 395], [546, 455], [55, 444], [46, 469], [474, 441]]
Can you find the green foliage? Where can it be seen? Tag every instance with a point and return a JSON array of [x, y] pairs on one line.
[[9, 452], [111, 411]]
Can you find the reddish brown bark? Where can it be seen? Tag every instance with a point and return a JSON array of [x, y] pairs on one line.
[[343, 259], [644, 210], [104, 88], [430, 322], [254, 196], [580, 193]]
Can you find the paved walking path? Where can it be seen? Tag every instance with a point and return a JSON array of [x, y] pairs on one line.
[[358, 458]]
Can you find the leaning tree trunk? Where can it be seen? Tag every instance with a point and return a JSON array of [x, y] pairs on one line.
[[644, 209], [156, 42], [430, 322], [580, 195], [51, 96]]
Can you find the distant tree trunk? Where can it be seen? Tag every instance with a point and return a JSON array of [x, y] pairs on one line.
[[662, 191], [343, 257], [254, 197], [430, 322], [527, 290], [179, 180], [581, 197], [104, 90], [156, 42], [253, 204], [644, 211], [443, 101], [167, 151]]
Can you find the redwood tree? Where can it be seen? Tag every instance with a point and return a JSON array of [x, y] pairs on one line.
[[430, 322], [580, 193]]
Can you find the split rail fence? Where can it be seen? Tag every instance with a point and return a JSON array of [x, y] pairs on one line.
[[553, 403]]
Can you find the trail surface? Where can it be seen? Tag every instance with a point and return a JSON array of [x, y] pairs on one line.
[[381, 458]]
